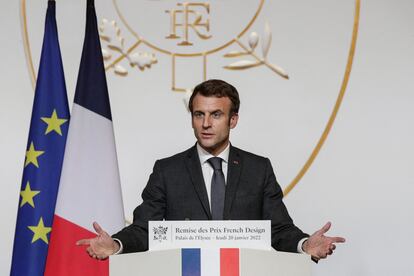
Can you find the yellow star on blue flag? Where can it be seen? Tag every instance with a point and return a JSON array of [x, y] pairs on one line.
[[53, 123], [31, 156], [40, 231], [27, 195]]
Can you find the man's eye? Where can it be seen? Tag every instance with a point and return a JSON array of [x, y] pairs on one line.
[[198, 115], [216, 115]]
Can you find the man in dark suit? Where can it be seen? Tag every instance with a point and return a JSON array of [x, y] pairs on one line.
[[213, 180]]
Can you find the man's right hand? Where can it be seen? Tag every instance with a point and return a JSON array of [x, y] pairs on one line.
[[100, 247]]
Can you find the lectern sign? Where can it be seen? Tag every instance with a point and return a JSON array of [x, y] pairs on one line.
[[253, 234]]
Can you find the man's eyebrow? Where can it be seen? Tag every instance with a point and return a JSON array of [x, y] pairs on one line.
[[211, 112]]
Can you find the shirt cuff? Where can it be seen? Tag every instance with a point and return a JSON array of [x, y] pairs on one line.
[[121, 248], [300, 244]]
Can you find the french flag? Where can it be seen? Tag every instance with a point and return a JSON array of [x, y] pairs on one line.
[[90, 187], [206, 262]]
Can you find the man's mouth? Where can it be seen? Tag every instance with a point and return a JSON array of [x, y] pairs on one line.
[[206, 135]]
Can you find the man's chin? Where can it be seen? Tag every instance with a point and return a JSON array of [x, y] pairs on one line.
[[206, 146], [211, 146]]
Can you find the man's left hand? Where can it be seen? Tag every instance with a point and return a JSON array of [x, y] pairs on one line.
[[320, 246]]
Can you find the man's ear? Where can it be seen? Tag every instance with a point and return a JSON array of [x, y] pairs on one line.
[[233, 120]]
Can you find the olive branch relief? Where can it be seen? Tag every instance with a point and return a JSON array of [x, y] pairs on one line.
[[250, 50], [110, 33]]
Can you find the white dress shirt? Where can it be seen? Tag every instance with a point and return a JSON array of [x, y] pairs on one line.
[[208, 170]]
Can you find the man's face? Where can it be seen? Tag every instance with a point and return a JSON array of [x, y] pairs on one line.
[[212, 122]]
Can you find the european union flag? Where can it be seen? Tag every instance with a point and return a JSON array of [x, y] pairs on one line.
[[44, 157]]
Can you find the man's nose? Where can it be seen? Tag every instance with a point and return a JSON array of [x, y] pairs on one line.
[[206, 122]]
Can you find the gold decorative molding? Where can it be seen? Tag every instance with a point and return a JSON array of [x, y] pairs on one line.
[[338, 103], [26, 43], [167, 52], [174, 55]]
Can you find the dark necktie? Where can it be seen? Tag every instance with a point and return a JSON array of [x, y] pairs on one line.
[[218, 189]]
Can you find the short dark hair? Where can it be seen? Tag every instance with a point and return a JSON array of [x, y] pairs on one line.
[[217, 88]]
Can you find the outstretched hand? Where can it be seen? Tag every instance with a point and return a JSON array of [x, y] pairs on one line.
[[100, 247], [320, 246]]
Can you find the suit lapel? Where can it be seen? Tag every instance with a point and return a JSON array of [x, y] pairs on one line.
[[194, 169], [233, 175]]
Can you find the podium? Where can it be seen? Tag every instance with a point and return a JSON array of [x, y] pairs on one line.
[[210, 248], [252, 263]]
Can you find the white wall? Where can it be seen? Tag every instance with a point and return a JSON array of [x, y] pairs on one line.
[[361, 179]]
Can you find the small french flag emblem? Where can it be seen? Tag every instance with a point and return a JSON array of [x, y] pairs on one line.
[[210, 262]]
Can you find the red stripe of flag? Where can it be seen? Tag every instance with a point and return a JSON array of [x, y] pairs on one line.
[[229, 262], [66, 258]]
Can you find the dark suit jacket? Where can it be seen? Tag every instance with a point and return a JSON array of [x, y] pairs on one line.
[[176, 191]]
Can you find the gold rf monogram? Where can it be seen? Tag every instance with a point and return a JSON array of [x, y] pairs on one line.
[[189, 11]]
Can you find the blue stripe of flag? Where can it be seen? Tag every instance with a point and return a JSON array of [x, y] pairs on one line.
[[91, 88], [191, 262]]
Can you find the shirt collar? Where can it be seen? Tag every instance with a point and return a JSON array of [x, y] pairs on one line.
[[205, 155]]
